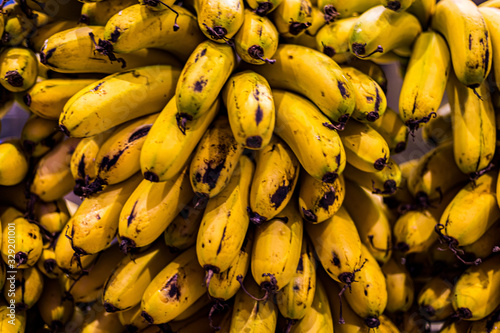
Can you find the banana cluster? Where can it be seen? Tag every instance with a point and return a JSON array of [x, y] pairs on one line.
[[238, 169]]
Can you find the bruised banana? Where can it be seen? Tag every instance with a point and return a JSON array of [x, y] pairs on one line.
[[181, 233], [393, 130], [54, 309], [414, 231], [47, 264], [14, 163], [219, 20], [400, 288], [385, 182], [18, 69], [40, 135], [274, 182], [435, 299], [52, 216], [28, 288], [333, 39], [293, 17]]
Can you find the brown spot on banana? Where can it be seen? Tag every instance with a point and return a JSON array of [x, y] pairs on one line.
[[14, 78], [141, 132], [171, 289]]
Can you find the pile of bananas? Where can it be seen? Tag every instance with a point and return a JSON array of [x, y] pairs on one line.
[[236, 166]]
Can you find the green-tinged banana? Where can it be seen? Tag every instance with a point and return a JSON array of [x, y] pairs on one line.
[[98, 13], [475, 294], [54, 309], [492, 17], [459, 326], [27, 239], [318, 201], [276, 249], [385, 182], [214, 160], [373, 225], [421, 94], [293, 17], [151, 208], [423, 10], [465, 30], [435, 297], [251, 315], [126, 284], [473, 126], [295, 299], [487, 244], [47, 98], [28, 288], [47, 263], [490, 324], [18, 69], [174, 289], [307, 71], [137, 27], [42, 33], [263, 7], [380, 30], [438, 130], [167, 148], [463, 223], [87, 288], [323, 157], [219, 20], [414, 231], [95, 223], [75, 51], [181, 233], [103, 322], [132, 320], [13, 163], [118, 157], [371, 102], [274, 182], [397, 5], [11, 320], [335, 8], [365, 148], [225, 222], [250, 108], [40, 135], [400, 289], [257, 40], [118, 98], [53, 179]]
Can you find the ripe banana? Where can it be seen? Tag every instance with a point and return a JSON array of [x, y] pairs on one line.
[[309, 37], [11, 321], [334, 8], [438, 130], [293, 17], [18, 69], [42, 33], [118, 98], [373, 70], [98, 13], [385, 182], [463, 27], [103, 322], [132, 320], [487, 244], [250, 108], [414, 231], [397, 5], [423, 10], [40, 135], [263, 7], [219, 20], [13, 163], [54, 309], [28, 288], [181, 233], [17, 25], [400, 289], [490, 324], [435, 297], [47, 263]]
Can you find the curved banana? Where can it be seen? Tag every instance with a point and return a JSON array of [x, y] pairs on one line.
[[414, 231], [54, 309], [397, 5], [18, 69], [219, 20], [98, 13], [132, 320], [42, 33], [13, 163], [102, 322], [339, 8], [40, 135], [250, 108], [490, 324], [373, 70], [181, 233], [423, 10], [293, 17], [385, 182], [400, 289], [9, 323], [47, 263], [487, 244], [28, 288], [435, 297]]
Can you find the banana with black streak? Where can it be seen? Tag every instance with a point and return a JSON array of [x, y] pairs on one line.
[[17, 25], [54, 309], [490, 324], [385, 182], [47, 263], [18, 69], [414, 231], [435, 299], [40, 135], [308, 38], [181, 233], [219, 20], [293, 17], [400, 288], [28, 288], [397, 5], [13, 163], [263, 7], [333, 39]]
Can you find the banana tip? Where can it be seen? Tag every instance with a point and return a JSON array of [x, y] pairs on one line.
[[151, 176], [126, 245], [394, 5], [372, 322], [263, 8], [110, 307], [147, 317], [21, 258]]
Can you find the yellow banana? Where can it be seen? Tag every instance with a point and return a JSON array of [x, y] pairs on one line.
[[490, 3], [11, 320], [159, 6], [293, 17], [53, 177], [273, 184], [17, 25], [318, 201], [250, 108], [400, 289], [397, 5], [150, 209], [463, 27], [132, 320], [385, 182], [333, 39], [118, 98], [42, 33], [421, 94], [214, 160], [13, 163], [435, 297], [174, 289], [225, 222], [487, 244], [40, 135], [423, 10], [28, 288], [128, 281], [167, 148], [18, 69], [386, 325], [194, 311], [98, 13], [490, 324], [54, 309], [334, 8], [455, 327], [299, 68], [181, 233], [103, 322], [414, 231], [47, 263], [263, 7], [373, 70], [438, 130], [219, 20]]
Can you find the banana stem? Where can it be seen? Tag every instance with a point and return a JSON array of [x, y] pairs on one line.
[[263, 8], [414, 124], [453, 246], [219, 305], [105, 48], [154, 3], [330, 13], [218, 33], [239, 278], [257, 52]]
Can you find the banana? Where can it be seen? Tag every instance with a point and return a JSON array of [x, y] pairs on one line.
[[293, 17], [225, 222], [75, 51], [465, 30], [400, 288], [47, 263], [28, 288], [47, 98], [263, 7], [308, 38], [371, 102], [257, 40], [42, 33], [181, 233], [323, 142], [333, 39], [159, 6], [137, 27], [475, 292], [365, 148], [54, 309], [276, 176], [473, 126], [487, 244], [385, 182], [386, 325], [167, 148], [421, 94], [423, 10], [414, 231], [11, 320], [380, 30], [219, 20], [250, 108], [77, 319], [27, 239], [174, 289], [251, 315], [295, 299], [490, 324], [438, 130], [124, 287], [53, 179], [98, 13], [435, 299], [339, 8], [14, 163], [17, 25], [214, 160], [103, 322], [319, 201], [307, 71], [372, 224], [132, 320], [200, 307], [95, 223], [397, 5], [150, 209], [40, 135], [455, 327], [18, 69], [490, 3]]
